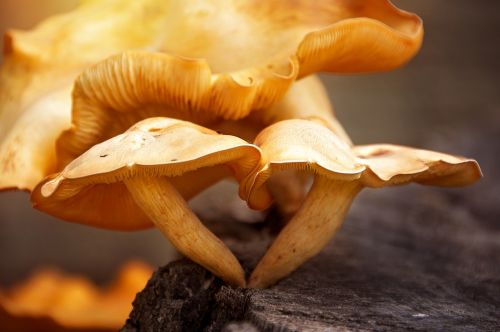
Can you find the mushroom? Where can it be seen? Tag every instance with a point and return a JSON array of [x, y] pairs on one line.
[[191, 40], [224, 59], [339, 175], [306, 99], [146, 174]]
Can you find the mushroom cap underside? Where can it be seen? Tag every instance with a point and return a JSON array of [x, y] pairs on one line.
[[90, 190], [310, 146], [223, 59]]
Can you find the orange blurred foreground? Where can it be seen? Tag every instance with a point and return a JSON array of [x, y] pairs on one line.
[[53, 301]]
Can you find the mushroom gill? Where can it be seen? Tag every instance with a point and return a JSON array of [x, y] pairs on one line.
[[208, 60]]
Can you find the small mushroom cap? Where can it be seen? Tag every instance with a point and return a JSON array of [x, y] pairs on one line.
[[389, 164], [307, 145], [300, 145], [226, 58], [90, 190]]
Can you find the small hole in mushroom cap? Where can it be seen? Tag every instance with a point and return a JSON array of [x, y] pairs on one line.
[[103, 155], [175, 159]]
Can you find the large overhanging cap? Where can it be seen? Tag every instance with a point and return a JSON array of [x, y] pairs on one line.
[[340, 173], [223, 59], [144, 176]]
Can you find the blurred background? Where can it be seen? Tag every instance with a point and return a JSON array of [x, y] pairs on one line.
[[443, 98]]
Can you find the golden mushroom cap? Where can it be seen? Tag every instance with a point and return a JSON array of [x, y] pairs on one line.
[[389, 164], [310, 146], [90, 189], [300, 145], [224, 58]]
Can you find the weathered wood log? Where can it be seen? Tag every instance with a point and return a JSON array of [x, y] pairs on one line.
[[410, 258]]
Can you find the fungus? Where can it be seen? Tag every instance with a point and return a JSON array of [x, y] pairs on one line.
[[142, 175], [307, 99], [207, 60], [340, 173]]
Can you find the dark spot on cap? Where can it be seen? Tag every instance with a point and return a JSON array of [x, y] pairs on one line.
[[103, 155]]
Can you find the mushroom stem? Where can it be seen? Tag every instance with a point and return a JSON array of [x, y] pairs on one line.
[[308, 231], [288, 188], [162, 203]]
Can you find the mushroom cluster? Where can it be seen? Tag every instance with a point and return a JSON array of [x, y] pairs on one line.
[[118, 113]]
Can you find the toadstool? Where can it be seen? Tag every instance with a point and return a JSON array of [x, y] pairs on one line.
[[307, 99], [340, 174], [224, 59], [142, 176]]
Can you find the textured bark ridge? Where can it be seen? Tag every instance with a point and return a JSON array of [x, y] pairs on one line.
[[183, 296], [411, 258]]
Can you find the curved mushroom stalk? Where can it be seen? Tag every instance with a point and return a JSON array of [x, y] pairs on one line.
[[319, 218], [289, 189], [340, 172], [153, 167], [168, 210]]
